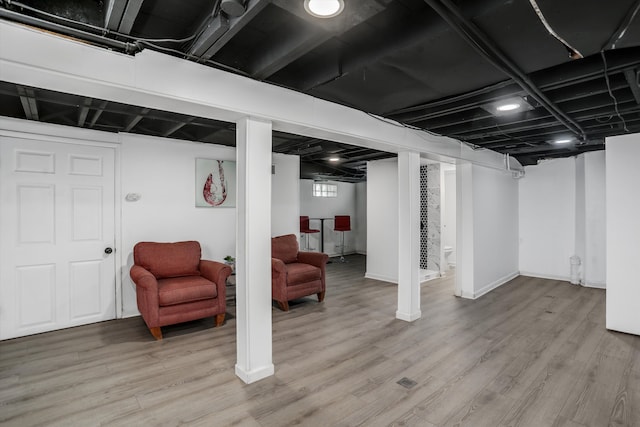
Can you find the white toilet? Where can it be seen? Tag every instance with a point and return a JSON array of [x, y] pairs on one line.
[[447, 252]]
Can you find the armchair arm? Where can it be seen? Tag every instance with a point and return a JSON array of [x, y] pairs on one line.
[[143, 278], [215, 271], [278, 269], [317, 259], [278, 280], [146, 295], [218, 273]]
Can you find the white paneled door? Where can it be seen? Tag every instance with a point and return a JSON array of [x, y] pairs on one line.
[[57, 222]]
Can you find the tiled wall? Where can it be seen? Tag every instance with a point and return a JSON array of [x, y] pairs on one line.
[[430, 217]]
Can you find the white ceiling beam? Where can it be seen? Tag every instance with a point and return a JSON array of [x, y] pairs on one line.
[[164, 82]]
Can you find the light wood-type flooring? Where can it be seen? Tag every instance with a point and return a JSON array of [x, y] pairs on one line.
[[531, 353]]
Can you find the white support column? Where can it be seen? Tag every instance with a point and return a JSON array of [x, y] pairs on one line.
[[464, 232], [253, 265], [408, 236]]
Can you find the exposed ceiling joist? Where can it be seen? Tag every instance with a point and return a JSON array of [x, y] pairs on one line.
[[214, 28], [631, 14], [480, 42], [121, 15], [84, 111], [29, 104], [176, 127], [633, 79], [285, 48], [213, 43], [97, 113], [397, 59], [135, 120], [412, 32]]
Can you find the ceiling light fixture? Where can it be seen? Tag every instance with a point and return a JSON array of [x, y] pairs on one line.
[[334, 159], [324, 8], [508, 107], [563, 141]]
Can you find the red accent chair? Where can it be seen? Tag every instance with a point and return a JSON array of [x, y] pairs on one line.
[[304, 229], [342, 223], [295, 274], [173, 285]]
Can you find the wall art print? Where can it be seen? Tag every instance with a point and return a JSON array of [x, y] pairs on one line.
[[215, 183]]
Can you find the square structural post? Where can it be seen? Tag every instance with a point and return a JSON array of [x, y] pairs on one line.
[[253, 264], [408, 236]]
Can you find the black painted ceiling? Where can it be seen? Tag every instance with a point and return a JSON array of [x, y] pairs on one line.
[[432, 64]]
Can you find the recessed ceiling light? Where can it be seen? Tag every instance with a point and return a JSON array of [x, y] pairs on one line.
[[563, 141], [324, 8], [334, 159], [508, 107]]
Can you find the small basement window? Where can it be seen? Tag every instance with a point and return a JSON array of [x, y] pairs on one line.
[[321, 189]]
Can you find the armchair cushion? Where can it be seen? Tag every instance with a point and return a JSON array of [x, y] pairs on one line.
[[298, 273], [168, 259], [179, 290], [285, 248]]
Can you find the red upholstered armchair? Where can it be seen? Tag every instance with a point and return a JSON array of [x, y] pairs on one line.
[[295, 274], [174, 285]]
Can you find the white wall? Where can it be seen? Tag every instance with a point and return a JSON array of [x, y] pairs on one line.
[[382, 220], [580, 219], [162, 171], [360, 231], [495, 225], [488, 211], [285, 190], [562, 213], [449, 212], [595, 254], [328, 207], [623, 233], [547, 218], [487, 229]]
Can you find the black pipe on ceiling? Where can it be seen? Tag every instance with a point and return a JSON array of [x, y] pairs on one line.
[[73, 32], [488, 50]]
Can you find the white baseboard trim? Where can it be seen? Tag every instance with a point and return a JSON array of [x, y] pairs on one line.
[[381, 278], [408, 317], [129, 314], [332, 255], [545, 276], [467, 295], [595, 285], [495, 284], [256, 374]]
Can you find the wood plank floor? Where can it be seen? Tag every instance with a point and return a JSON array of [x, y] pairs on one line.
[[531, 353]]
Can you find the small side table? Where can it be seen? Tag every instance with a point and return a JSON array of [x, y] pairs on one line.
[[231, 289]]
